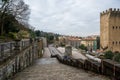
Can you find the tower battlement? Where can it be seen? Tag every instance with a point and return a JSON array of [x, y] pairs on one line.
[[109, 29], [114, 10]]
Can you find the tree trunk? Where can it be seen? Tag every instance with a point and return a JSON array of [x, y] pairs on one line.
[[1, 28]]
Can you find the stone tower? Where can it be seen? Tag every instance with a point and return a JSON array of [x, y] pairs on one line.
[[110, 30]]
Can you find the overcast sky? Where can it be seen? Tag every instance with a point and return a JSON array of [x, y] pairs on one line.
[[70, 17]]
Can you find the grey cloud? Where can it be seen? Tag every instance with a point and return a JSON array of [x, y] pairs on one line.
[[71, 17]]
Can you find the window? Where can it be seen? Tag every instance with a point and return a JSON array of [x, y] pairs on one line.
[[113, 42], [119, 42], [116, 27], [116, 42], [113, 27]]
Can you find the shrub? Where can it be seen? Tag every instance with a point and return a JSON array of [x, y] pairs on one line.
[[108, 55], [12, 35], [117, 57], [2, 37], [23, 34], [62, 44], [83, 47]]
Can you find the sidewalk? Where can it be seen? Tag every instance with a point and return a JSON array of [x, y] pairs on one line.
[[46, 53]]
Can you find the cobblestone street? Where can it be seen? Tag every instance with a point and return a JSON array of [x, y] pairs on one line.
[[51, 69]]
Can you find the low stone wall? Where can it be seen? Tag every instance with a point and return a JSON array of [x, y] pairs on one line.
[[92, 65], [106, 67], [80, 63], [111, 68], [117, 71]]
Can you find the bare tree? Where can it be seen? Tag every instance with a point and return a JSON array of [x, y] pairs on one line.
[[17, 8]]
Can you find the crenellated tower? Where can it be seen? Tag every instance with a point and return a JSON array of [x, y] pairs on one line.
[[110, 30]]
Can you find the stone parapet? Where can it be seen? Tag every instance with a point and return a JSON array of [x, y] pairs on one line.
[[21, 59], [110, 11]]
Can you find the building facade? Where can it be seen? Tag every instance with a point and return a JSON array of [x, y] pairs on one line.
[[90, 43], [110, 30], [74, 42]]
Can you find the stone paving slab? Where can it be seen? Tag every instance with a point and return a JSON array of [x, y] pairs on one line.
[[51, 69], [46, 52]]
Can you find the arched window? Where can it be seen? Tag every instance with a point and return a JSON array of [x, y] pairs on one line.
[[116, 27], [119, 42]]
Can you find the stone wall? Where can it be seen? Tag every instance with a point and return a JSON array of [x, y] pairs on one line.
[[106, 67], [22, 58], [68, 50], [111, 68]]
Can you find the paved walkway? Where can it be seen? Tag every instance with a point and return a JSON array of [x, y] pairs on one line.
[[50, 69], [46, 53]]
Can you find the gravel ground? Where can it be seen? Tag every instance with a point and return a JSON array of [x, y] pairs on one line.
[[51, 69]]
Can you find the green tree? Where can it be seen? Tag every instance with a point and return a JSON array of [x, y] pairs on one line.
[[83, 47], [38, 33], [109, 55], [10, 24], [32, 34], [51, 37], [98, 42]]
